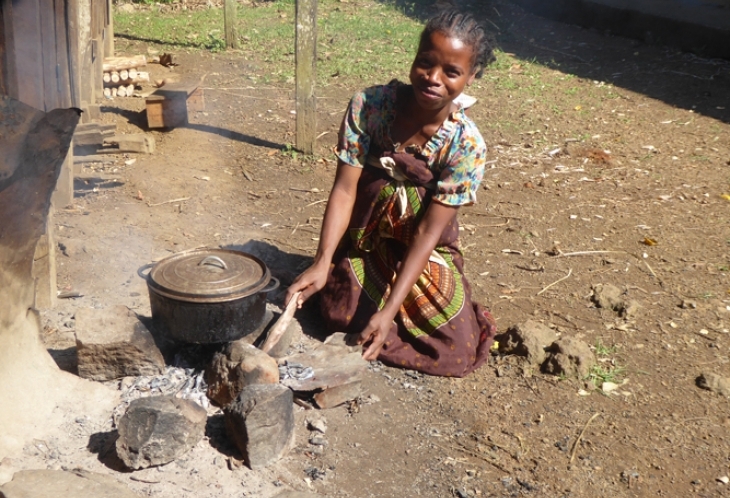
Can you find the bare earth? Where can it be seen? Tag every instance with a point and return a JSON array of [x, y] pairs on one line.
[[611, 171]]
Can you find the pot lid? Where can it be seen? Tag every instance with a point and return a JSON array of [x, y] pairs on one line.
[[209, 275]]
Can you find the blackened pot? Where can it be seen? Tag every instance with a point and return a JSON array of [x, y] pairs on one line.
[[207, 296]]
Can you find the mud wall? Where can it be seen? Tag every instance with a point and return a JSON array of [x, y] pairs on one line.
[[33, 391]]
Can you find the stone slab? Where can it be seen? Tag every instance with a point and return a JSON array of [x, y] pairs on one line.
[[63, 484], [113, 343]]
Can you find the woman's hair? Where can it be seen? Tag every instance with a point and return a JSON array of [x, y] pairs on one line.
[[463, 26]]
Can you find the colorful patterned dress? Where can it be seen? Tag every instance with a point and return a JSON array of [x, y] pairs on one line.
[[438, 329]]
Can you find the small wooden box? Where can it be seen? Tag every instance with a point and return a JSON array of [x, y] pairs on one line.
[[168, 106]]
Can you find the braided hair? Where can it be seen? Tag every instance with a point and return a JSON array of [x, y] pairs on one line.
[[464, 27]]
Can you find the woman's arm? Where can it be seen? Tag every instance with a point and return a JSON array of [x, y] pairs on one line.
[[428, 233], [334, 225]]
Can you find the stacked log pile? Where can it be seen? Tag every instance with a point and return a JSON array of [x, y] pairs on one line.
[[123, 74]]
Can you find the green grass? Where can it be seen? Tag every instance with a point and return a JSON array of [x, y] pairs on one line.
[[602, 350], [345, 46], [367, 42], [601, 373]]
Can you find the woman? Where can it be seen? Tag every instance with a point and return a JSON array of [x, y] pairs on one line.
[[388, 267]]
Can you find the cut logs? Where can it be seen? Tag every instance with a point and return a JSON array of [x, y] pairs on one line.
[[122, 74]]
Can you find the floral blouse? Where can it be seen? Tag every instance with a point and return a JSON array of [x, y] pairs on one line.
[[456, 153]]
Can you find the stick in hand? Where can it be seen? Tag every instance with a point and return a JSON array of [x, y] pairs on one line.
[[278, 329]]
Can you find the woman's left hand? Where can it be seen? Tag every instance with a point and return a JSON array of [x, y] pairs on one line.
[[375, 334]]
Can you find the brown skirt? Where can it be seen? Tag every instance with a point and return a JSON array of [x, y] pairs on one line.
[[438, 329]]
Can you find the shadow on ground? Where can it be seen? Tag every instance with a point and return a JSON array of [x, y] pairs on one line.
[[139, 119], [680, 79]]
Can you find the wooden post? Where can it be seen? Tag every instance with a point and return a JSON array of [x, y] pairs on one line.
[[229, 21], [306, 65]]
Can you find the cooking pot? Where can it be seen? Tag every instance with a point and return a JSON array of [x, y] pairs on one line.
[[206, 296]]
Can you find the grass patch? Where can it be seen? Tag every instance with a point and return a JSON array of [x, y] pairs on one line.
[[365, 43], [346, 48], [602, 350], [602, 373]]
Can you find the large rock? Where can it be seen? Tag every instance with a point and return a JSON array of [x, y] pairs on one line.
[[715, 383], [59, 483], [610, 297], [237, 366], [113, 343], [157, 430], [528, 339], [569, 357], [332, 365], [261, 423]]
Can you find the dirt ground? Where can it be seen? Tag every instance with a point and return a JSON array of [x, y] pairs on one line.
[[608, 162]]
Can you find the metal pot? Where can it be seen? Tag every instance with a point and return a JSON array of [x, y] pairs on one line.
[[208, 296]]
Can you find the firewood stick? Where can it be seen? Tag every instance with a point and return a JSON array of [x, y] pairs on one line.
[[278, 329], [132, 73], [107, 77], [122, 91], [114, 92], [115, 77], [107, 92], [123, 74], [130, 89]]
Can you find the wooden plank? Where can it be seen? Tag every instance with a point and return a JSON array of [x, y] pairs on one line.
[[64, 81], [89, 137], [9, 66], [97, 56], [306, 64], [28, 53], [86, 83], [109, 30], [229, 23], [74, 55], [134, 142], [103, 128], [48, 51], [5, 41], [95, 20]]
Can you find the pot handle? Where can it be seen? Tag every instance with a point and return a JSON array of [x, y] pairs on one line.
[[213, 261], [269, 289], [142, 269]]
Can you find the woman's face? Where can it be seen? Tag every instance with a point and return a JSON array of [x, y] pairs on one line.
[[441, 70]]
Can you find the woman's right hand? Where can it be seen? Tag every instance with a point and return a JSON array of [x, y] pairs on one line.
[[310, 282]]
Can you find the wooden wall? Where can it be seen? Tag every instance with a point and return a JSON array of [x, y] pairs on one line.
[[52, 51]]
